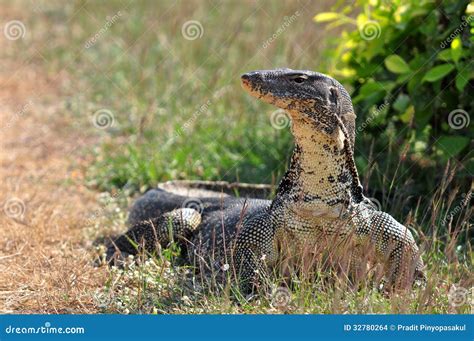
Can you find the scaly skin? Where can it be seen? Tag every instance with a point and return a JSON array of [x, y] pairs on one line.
[[319, 206]]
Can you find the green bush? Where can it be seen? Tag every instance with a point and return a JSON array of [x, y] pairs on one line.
[[410, 66]]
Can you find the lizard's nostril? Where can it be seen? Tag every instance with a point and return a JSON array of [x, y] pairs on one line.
[[245, 77]]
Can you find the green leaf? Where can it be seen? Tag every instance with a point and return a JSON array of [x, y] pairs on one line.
[[371, 92], [461, 79], [414, 83], [327, 16], [452, 145], [401, 103], [422, 117], [396, 64], [371, 87], [445, 55], [407, 116], [470, 165], [438, 72], [403, 78]]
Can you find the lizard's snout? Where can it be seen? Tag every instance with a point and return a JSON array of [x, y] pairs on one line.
[[249, 79], [263, 85], [251, 82], [245, 79], [252, 76]]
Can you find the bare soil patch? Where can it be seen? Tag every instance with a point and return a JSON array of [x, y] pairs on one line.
[[45, 253]]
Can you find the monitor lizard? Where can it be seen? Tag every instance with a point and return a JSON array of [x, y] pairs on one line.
[[319, 204]]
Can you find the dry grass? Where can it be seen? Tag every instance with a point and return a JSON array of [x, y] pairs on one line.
[[46, 248], [45, 265]]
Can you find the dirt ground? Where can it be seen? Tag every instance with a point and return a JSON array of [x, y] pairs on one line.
[[45, 255]]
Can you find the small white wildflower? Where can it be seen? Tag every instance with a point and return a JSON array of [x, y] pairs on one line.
[[264, 256], [225, 267]]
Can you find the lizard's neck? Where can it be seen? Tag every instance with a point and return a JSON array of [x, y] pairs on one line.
[[318, 174]]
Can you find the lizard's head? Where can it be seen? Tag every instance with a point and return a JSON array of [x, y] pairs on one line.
[[307, 96]]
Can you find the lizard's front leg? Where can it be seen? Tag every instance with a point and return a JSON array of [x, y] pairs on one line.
[[254, 252], [395, 244]]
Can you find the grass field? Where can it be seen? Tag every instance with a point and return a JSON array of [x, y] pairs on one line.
[[156, 84], [123, 97]]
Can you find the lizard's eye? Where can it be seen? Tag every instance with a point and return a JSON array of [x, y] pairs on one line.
[[299, 79]]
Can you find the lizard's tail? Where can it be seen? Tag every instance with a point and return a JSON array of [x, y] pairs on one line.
[[175, 226], [202, 188], [154, 203], [195, 194]]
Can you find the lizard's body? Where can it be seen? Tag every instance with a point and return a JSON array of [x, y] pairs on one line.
[[318, 206]]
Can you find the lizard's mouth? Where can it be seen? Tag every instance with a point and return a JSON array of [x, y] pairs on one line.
[[250, 84], [254, 84]]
